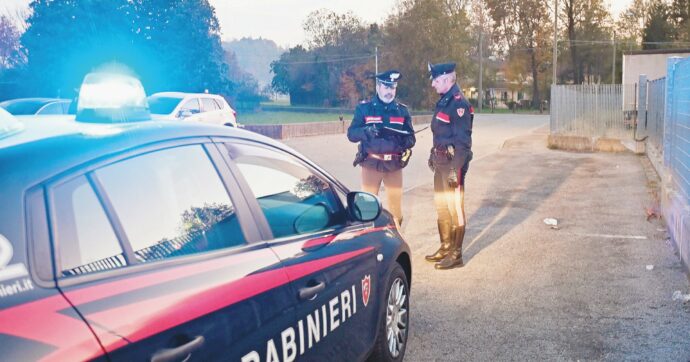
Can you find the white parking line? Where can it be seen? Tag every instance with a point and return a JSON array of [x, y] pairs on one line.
[[610, 236]]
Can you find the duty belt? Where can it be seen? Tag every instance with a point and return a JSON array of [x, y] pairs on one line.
[[384, 156]]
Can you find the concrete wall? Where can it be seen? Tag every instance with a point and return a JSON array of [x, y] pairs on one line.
[[286, 131]]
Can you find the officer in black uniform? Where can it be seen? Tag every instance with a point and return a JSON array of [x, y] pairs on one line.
[[383, 127], [450, 157]]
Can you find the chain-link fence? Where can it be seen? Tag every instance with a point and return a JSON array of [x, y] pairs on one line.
[[598, 110]]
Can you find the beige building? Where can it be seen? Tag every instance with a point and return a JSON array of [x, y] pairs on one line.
[[652, 63]]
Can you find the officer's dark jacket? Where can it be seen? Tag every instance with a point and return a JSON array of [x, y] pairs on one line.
[[452, 124], [379, 114]]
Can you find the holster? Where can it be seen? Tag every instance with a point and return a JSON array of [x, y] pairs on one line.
[[360, 156], [405, 157]]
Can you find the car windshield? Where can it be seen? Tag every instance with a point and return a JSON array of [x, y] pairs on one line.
[[163, 105], [23, 107]]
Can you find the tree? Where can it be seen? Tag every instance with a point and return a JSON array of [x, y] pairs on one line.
[[588, 26], [65, 39], [524, 29], [9, 43], [422, 31], [337, 44], [631, 22], [658, 28], [680, 13]]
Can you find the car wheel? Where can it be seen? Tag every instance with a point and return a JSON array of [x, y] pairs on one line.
[[394, 326]]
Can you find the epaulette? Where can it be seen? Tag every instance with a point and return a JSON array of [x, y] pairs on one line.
[[363, 101], [403, 104], [457, 96]]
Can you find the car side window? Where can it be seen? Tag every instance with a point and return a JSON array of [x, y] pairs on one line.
[[294, 199], [52, 108], [171, 203], [219, 104], [192, 106], [209, 104], [86, 239]]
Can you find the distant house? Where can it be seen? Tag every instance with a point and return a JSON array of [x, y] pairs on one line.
[[503, 92]]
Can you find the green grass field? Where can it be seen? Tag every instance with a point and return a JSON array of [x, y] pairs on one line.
[[289, 117]]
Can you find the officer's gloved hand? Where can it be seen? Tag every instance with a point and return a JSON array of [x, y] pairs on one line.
[[371, 132], [453, 178]]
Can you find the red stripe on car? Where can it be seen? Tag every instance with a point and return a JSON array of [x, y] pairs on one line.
[[143, 319]]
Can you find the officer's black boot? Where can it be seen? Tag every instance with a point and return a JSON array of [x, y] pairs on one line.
[[445, 232], [454, 257]]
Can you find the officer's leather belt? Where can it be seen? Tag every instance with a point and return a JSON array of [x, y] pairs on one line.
[[440, 151], [384, 156]]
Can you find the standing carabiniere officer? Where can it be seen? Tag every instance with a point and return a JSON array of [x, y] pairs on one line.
[[383, 127], [450, 157]]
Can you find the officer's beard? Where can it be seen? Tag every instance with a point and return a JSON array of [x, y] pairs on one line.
[[384, 100]]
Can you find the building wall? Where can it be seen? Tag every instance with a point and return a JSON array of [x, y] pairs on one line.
[[652, 65]]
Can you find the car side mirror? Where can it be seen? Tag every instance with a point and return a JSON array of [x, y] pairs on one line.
[[184, 113], [363, 206], [315, 218]]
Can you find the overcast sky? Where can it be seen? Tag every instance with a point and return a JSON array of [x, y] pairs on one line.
[[281, 20]]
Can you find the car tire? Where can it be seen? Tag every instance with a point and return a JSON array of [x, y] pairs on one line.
[[393, 329]]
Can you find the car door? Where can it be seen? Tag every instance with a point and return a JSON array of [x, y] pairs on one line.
[[331, 269], [158, 253], [191, 107], [212, 113]]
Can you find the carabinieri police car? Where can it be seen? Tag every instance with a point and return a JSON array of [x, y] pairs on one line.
[[128, 239]]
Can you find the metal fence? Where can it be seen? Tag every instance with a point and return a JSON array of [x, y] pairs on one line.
[[676, 153], [598, 110], [651, 116]]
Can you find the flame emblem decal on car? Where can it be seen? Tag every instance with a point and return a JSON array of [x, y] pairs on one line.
[[366, 289]]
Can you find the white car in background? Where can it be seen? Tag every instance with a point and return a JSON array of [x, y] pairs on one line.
[[196, 107]]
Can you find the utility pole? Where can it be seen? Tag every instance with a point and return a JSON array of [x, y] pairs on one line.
[[376, 51], [613, 72], [555, 38], [481, 69]]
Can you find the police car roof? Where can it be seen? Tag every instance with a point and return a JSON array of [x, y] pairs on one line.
[[182, 94], [44, 149]]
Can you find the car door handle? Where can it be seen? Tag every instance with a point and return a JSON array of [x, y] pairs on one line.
[[178, 353], [310, 292]]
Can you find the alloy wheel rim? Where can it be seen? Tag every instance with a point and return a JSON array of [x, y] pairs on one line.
[[396, 318]]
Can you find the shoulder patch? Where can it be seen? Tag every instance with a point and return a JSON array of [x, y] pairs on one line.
[[461, 112]]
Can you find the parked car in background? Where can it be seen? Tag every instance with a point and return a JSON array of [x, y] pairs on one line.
[[198, 107], [136, 239], [36, 106]]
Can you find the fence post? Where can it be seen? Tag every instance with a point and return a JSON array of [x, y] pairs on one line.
[[641, 104], [669, 116]]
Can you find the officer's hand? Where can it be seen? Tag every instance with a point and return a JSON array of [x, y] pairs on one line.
[[371, 132], [453, 178], [431, 164]]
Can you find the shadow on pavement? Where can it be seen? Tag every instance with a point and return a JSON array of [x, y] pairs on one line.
[[518, 188]]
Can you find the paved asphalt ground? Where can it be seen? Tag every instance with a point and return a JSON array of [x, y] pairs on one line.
[[529, 292]]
